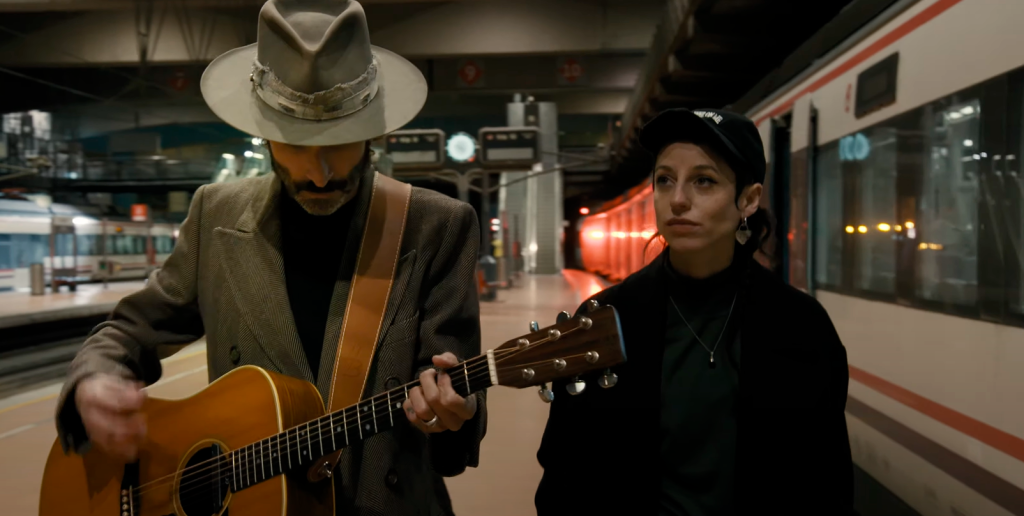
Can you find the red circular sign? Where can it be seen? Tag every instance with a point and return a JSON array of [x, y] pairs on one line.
[[470, 73], [571, 70]]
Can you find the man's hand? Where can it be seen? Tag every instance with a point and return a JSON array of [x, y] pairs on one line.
[[434, 406], [110, 408]]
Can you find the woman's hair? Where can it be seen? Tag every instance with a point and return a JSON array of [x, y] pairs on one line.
[[760, 224]]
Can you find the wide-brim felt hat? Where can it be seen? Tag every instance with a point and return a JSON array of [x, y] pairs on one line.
[[313, 78]]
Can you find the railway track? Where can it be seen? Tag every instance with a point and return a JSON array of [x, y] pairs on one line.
[[33, 355]]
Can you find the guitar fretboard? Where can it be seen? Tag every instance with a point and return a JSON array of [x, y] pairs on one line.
[[300, 446]]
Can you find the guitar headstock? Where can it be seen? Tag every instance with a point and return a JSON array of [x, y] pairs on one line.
[[569, 348]]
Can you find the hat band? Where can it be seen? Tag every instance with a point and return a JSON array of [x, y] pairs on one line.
[[336, 102]]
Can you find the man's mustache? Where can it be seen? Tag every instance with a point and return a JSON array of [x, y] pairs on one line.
[[331, 187]]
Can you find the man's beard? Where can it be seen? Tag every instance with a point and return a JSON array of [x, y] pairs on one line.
[[347, 187]]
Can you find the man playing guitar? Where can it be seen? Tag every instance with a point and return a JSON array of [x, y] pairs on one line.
[[264, 266]]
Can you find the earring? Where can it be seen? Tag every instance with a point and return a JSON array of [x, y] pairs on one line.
[[743, 233]]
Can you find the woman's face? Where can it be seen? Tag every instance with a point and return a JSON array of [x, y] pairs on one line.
[[695, 199]]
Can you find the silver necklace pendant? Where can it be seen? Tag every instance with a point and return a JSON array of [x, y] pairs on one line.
[[712, 363]]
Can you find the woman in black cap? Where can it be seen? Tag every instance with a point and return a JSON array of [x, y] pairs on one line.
[[732, 398]]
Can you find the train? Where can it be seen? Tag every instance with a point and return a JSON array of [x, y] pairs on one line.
[[894, 176], [77, 244]]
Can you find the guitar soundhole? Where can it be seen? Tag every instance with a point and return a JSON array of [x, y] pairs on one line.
[[205, 483]]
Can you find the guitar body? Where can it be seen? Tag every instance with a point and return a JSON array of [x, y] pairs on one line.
[[243, 406]]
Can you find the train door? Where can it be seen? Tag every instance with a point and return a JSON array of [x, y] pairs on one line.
[[812, 174], [779, 192], [63, 253]]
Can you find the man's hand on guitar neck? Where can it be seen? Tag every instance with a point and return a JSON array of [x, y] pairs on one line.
[[434, 406], [111, 410]]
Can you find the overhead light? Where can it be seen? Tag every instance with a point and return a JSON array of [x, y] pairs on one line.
[[533, 247], [257, 155], [883, 227], [495, 222], [977, 156], [862, 229], [82, 220], [584, 211], [646, 234], [968, 110], [248, 153], [899, 227], [596, 234], [984, 154], [227, 156], [955, 115], [850, 229], [968, 143], [495, 228], [909, 224], [634, 234], [257, 141]]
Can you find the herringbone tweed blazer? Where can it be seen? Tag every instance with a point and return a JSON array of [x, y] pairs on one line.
[[225, 279]]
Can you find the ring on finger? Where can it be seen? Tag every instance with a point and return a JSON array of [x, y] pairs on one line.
[[431, 423]]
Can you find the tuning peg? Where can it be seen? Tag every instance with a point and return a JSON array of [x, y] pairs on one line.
[[546, 395], [563, 316], [608, 379], [534, 326], [593, 305], [576, 386]]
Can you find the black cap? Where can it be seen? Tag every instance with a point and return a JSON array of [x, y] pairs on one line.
[[734, 137]]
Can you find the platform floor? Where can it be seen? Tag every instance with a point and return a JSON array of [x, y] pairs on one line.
[[18, 308], [503, 485]]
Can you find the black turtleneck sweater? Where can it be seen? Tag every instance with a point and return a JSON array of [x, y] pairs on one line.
[[312, 247], [699, 402]]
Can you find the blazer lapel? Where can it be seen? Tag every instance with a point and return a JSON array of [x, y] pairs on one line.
[[251, 254]]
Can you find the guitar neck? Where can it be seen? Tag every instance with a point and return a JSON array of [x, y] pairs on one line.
[[299, 446]]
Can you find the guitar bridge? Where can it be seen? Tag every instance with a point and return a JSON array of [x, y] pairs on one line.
[[129, 493]]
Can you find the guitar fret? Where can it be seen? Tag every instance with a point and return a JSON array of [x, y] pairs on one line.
[[288, 447], [373, 410], [465, 371], [309, 442], [344, 419], [234, 469], [246, 463], [263, 467], [334, 445], [280, 466], [255, 475], [359, 423], [390, 416], [320, 436]]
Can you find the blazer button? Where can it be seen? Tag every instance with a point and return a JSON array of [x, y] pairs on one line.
[[235, 355], [392, 477], [392, 383]]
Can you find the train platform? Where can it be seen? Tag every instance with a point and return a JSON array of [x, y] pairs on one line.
[[503, 485], [90, 299]]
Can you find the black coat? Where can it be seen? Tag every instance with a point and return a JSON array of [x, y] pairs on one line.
[[600, 448]]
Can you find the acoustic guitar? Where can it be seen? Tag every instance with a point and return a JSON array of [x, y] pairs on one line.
[[254, 441]]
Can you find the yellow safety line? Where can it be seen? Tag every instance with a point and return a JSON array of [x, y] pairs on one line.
[[51, 396], [29, 402]]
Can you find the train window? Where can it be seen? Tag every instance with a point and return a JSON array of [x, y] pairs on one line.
[[876, 86], [5, 252], [947, 255]]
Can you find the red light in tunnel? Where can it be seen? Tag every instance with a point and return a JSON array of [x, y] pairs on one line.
[[584, 210]]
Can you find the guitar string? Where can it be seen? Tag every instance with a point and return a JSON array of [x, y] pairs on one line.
[[299, 443], [474, 367], [476, 363], [246, 463]]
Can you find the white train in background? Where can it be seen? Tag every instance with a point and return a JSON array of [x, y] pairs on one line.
[[895, 175], [76, 244]]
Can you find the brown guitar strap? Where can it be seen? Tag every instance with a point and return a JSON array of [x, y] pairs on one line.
[[367, 298]]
